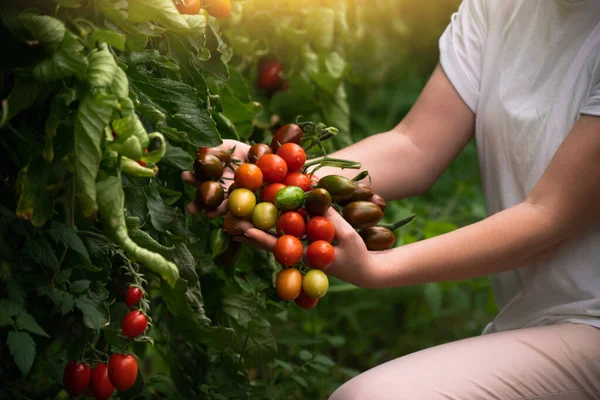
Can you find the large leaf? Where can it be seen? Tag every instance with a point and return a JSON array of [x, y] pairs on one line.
[[95, 314], [26, 322], [66, 61], [59, 110], [36, 203], [177, 157], [68, 238], [40, 251], [44, 28], [321, 27], [92, 117], [162, 11], [102, 67], [22, 348], [112, 38]]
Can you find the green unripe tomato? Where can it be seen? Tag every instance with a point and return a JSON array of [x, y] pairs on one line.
[[242, 202], [265, 215], [315, 283]]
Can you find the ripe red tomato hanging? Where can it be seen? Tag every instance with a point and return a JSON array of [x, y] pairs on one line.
[[320, 254], [305, 301], [100, 384], [297, 179], [288, 284], [133, 295], [291, 223], [288, 250], [134, 323], [289, 133], [269, 77], [218, 8], [76, 377], [122, 370], [293, 154], [320, 228], [273, 168]]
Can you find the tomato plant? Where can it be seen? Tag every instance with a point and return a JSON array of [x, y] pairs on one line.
[[269, 77], [134, 324], [122, 371], [305, 301], [100, 384], [133, 295], [76, 377]]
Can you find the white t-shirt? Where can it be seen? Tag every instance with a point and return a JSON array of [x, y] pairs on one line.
[[528, 69]]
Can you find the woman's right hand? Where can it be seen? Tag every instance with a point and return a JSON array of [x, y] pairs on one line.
[[241, 153]]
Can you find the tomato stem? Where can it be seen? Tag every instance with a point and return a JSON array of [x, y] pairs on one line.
[[333, 162], [362, 175], [398, 224]]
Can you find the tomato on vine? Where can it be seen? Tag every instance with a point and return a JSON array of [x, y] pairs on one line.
[[258, 150], [189, 7], [288, 250], [273, 168], [270, 191], [320, 254], [134, 323], [241, 202], [320, 228], [291, 223], [248, 176], [100, 384], [288, 284], [289, 133], [297, 179], [269, 77], [76, 377], [218, 8], [122, 370], [315, 283], [264, 216], [305, 301], [293, 154], [133, 295]]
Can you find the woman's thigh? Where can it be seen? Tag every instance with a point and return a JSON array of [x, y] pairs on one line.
[[560, 362]]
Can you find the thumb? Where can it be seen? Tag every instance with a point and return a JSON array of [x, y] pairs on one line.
[[344, 232]]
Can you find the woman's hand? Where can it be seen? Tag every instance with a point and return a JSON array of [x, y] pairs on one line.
[[240, 152], [353, 262]]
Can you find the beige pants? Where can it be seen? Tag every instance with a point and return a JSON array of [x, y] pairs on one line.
[[560, 362]]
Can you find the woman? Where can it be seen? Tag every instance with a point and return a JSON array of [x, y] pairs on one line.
[[524, 77]]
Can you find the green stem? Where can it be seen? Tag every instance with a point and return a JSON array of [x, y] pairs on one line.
[[398, 224], [362, 175], [4, 119], [333, 162]]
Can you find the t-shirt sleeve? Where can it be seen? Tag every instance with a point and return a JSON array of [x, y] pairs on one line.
[[592, 105], [461, 49]]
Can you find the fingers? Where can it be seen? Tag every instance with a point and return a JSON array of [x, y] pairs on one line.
[[343, 230], [189, 178], [222, 209]]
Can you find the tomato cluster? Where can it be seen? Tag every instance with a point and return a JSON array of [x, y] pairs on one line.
[[120, 373]]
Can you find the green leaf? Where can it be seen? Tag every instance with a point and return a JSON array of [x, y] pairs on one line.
[[284, 365], [92, 117], [59, 110], [257, 345], [320, 27], [24, 93], [39, 250], [68, 237], [336, 112], [95, 314], [16, 294], [177, 157], [66, 61], [80, 286], [26, 322], [22, 348], [102, 67], [216, 65], [305, 355], [300, 380], [161, 216], [7, 311], [143, 239], [36, 203], [112, 38], [323, 359], [436, 228], [335, 65], [44, 28], [162, 11]]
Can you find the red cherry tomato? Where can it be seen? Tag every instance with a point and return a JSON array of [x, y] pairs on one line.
[[293, 155], [305, 301], [320, 254], [76, 378], [102, 387], [122, 371], [273, 168], [291, 223], [218, 8], [320, 228], [297, 179], [248, 176], [304, 214], [288, 250], [258, 150], [133, 295], [289, 133], [269, 77], [190, 7], [134, 323], [270, 191]]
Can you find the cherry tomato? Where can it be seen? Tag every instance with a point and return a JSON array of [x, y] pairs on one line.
[[269, 77], [241, 202], [293, 155], [377, 199], [288, 284], [219, 152], [290, 133], [209, 195], [315, 283], [218, 8], [76, 378], [270, 191], [141, 163], [305, 301], [134, 323], [102, 387], [288, 250], [291, 223], [122, 371], [273, 167], [258, 150], [320, 254], [207, 166], [229, 222], [297, 179], [248, 176], [190, 7], [133, 295], [320, 228], [264, 216]]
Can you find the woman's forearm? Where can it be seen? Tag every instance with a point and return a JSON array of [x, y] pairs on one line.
[[511, 239]]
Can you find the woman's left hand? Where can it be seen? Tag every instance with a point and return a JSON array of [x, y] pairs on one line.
[[353, 262]]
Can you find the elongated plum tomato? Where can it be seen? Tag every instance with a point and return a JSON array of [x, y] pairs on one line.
[[133, 295], [305, 301], [241, 202], [320, 255], [264, 215], [76, 378], [258, 150], [288, 250], [209, 195], [207, 166], [102, 387], [122, 370], [297, 179], [320, 228], [317, 201], [315, 283], [273, 168], [189, 7], [248, 176], [289, 133], [269, 77], [218, 8], [293, 155], [134, 323], [270, 191], [219, 152], [288, 284], [291, 223]]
